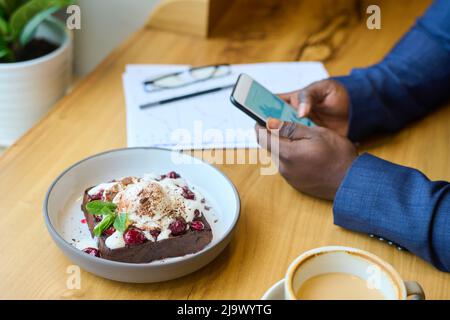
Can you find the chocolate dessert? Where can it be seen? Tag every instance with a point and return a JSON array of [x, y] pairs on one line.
[[139, 220]]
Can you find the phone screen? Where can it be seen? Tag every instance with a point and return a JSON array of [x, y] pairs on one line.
[[262, 102]]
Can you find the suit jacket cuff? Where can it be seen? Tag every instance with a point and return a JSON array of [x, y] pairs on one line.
[[352, 197], [399, 204]]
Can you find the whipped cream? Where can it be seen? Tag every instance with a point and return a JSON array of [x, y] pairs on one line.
[[101, 188], [115, 240]]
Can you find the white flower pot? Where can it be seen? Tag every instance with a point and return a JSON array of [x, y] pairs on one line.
[[28, 89]]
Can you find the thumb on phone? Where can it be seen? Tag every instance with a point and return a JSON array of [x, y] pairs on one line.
[[305, 98], [288, 130]]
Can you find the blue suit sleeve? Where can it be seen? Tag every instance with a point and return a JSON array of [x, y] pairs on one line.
[[399, 204], [411, 80]]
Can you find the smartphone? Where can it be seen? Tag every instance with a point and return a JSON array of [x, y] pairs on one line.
[[259, 103]]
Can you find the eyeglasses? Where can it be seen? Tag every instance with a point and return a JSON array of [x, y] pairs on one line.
[[187, 77]]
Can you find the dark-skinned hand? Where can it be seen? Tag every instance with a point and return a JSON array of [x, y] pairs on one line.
[[314, 160], [325, 102]]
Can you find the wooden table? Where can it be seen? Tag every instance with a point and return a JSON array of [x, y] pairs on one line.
[[277, 223]]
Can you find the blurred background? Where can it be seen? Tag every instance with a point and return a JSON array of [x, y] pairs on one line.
[[106, 24]]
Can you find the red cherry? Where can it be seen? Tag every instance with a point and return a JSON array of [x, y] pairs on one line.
[[134, 236], [187, 193], [155, 233], [197, 225], [97, 196], [109, 231], [173, 175], [178, 227], [92, 251]]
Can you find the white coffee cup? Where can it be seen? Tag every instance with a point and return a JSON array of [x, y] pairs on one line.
[[336, 259]]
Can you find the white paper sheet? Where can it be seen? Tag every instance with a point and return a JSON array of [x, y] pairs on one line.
[[206, 121]]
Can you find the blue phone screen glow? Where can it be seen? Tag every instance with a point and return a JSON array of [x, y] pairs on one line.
[[265, 104]]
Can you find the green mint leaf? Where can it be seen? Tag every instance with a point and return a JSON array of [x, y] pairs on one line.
[[106, 222], [96, 207], [121, 222], [107, 211]]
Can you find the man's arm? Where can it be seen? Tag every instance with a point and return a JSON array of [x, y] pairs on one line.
[[399, 204], [413, 78], [376, 196]]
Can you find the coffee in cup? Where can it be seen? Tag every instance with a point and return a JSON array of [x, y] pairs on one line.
[[343, 273]]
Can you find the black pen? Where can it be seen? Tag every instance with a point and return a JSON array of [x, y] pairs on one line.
[[186, 96]]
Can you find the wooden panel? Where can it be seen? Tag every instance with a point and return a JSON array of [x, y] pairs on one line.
[[185, 16], [196, 17], [216, 10], [277, 223]]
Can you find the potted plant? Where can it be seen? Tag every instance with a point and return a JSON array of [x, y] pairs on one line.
[[35, 63]]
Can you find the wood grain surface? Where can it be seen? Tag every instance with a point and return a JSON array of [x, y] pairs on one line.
[[277, 223]]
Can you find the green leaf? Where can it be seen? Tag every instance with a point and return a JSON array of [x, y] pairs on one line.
[[21, 17], [31, 27], [3, 43], [5, 53], [96, 207], [2, 11], [106, 211], [106, 222], [4, 27], [10, 6], [121, 222]]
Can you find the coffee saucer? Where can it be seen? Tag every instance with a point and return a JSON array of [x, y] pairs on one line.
[[276, 292]]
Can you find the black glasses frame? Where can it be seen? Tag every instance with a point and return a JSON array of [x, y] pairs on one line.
[[190, 70]]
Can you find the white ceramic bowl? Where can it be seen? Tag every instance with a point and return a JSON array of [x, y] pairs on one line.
[[66, 190]]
